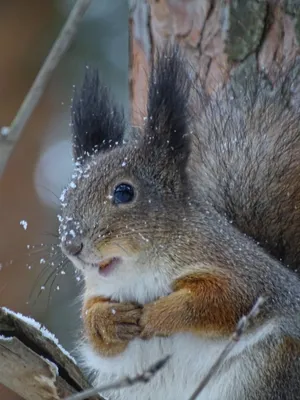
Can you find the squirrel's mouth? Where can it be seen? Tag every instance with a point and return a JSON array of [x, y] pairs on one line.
[[106, 266]]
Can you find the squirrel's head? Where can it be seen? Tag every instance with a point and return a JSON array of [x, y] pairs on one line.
[[127, 197]]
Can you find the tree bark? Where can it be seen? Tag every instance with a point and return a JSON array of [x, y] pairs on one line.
[[217, 36], [32, 364]]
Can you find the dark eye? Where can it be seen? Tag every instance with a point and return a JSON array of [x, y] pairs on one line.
[[123, 193]]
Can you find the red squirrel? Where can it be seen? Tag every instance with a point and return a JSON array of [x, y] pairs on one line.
[[179, 226]]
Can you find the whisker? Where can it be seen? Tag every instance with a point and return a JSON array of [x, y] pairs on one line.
[[40, 275], [54, 258], [39, 251], [38, 281], [40, 245], [50, 191], [50, 289], [55, 235], [55, 275]]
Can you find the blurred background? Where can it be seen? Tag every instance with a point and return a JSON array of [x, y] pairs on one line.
[[32, 279]]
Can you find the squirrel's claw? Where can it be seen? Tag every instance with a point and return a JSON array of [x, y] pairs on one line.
[[111, 325]]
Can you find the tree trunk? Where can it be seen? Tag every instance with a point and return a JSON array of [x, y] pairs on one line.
[[217, 36]]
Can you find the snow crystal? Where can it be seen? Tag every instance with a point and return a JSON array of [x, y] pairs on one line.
[[5, 130], [28, 320], [62, 196], [24, 224], [143, 237], [5, 338], [42, 329], [42, 261], [72, 185]]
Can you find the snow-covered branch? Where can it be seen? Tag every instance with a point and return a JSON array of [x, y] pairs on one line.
[[32, 362]]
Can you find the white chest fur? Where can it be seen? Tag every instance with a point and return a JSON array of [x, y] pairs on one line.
[[191, 359], [191, 356]]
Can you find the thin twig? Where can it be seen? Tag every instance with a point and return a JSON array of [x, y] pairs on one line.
[[12, 133], [124, 382], [242, 325]]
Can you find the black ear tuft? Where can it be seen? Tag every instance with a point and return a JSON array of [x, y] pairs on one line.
[[168, 104], [98, 125]]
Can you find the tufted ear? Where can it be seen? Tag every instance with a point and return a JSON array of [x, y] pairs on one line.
[[168, 108], [98, 125]]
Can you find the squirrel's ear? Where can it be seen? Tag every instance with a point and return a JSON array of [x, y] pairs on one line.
[[98, 125], [168, 105]]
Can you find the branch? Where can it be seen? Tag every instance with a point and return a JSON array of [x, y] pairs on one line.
[[124, 382], [242, 325], [32, 362], [10, 135]]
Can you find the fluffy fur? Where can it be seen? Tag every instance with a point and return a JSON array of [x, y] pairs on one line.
[[213, 225], [98, 124]]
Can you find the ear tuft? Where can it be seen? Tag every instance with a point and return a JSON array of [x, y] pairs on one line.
[[168, 103], [98, 125]]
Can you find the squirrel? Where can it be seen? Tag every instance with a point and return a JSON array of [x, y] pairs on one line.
[[179, 226]]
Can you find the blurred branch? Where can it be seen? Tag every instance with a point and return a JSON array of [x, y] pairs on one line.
[[10, 135], [239, 331], [33, 364], [125, 382]]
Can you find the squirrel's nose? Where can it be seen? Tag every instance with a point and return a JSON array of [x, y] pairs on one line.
[[72, 246]]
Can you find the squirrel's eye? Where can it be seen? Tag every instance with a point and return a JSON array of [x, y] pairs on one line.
[[123, 193]]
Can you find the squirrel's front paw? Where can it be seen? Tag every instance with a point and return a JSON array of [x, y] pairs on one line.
[[154, 320], [110, 326]]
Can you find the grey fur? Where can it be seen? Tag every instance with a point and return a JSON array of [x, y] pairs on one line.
[[228, 196]]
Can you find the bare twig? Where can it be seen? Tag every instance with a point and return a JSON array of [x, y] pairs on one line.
[[240, 329], [124, 382], [9, 135]]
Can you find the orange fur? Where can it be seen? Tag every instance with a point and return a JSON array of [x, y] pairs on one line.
[[93, 300], [110, 326], [199, 303]]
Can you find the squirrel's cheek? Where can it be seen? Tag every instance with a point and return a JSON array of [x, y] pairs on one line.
[[120, 247]]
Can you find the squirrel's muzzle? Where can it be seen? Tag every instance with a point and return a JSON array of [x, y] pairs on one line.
[[72, 247], [71, 241]]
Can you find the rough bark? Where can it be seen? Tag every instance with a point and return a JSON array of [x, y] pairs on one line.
[[33, 365], [216, 35]]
